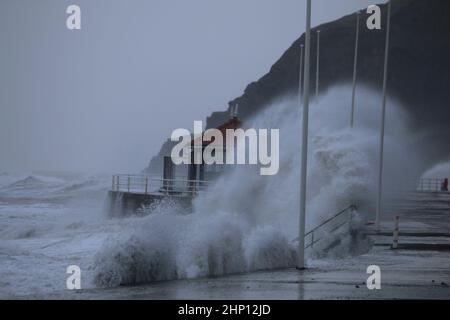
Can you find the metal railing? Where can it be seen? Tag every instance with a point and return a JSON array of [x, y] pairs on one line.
[[328, 226], [430, 185], [142, 184]]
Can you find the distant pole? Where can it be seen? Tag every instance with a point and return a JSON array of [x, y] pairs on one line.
[[355, 65], [318, 63], [300, 76], [383, 116], [304, 155]]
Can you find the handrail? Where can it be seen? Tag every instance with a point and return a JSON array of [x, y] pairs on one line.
[[312, 232], [143, 183], [430, 184], [332, 218], [314, 240], [154, 178]]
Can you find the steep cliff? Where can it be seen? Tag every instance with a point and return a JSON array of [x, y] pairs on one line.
[[419, 68]]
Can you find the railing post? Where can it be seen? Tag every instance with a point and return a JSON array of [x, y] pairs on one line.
[[112, 187], [146, 185], [396, 232], [129, 180], [118, 183]]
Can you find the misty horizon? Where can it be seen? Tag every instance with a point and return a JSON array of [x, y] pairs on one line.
[[104, 98]]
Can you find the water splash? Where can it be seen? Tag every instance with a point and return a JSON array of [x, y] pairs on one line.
[[247, 221]]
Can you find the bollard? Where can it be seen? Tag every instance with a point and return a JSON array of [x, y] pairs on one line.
[[395, 236]]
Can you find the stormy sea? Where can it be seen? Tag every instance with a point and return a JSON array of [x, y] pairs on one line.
[[244, 223]]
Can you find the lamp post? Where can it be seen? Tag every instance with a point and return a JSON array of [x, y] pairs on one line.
[[318, 63], [355, 65], [383, 116], [304, 155]]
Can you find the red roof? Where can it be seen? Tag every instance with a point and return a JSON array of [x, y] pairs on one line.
[[233, 124]]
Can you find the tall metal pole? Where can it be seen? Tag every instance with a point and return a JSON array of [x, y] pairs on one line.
[[300, 76], [383, 116], [304, 155], [355, 65], [318, 63]]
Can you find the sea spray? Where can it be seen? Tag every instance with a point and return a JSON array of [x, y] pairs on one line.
[[438, 171], [166, 246], [247, 222], [143, 256]]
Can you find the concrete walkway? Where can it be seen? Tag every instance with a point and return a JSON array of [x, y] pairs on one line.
[[418, 269], [405, 274]]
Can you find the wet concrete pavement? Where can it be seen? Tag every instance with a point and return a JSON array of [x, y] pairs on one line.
[[419, 269]]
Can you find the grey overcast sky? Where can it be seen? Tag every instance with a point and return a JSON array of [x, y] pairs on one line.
[[102, 99]]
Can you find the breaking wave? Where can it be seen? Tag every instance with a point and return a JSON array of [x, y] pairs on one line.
[[45, 187], [28, 182], [247, 221], [440, 170], [165, 247]]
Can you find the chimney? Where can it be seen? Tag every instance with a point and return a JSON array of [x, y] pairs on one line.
[[234, 111]]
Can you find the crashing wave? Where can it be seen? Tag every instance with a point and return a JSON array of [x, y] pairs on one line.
[[246, 222], [28, 182]]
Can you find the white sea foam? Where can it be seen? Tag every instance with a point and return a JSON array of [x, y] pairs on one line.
[[247, 221]]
